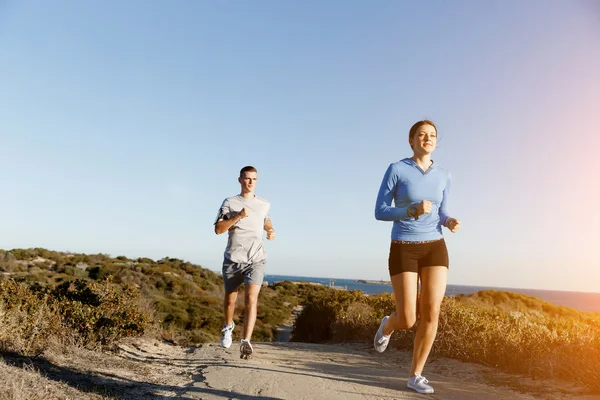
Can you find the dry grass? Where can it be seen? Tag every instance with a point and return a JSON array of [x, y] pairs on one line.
[[92, 314], [28, 384], [534, 344], [32, 333], [41, 331], [144, 368], [557, 343]]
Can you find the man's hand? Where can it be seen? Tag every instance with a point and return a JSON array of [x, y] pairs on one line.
[[270, 234], [424, 207], [453, 224], [244, 213], [223, 225]]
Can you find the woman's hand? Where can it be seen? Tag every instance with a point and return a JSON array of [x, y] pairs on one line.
[[424, 207], [453, 224]]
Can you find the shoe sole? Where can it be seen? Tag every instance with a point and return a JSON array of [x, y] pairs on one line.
[[420, 391], [245, 352]]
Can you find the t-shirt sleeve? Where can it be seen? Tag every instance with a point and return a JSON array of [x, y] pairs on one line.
[[224, 212]]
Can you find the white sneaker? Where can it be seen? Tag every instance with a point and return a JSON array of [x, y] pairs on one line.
[[226, 334], [246, 349], [381, 341], [419, 383]]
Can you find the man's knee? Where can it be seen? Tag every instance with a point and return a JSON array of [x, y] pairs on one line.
[[251, 300], [231, 296]]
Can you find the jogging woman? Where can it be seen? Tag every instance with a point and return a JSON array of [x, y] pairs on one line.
[[414, 195]]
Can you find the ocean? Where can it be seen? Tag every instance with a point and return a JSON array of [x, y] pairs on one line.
[[582, 301]]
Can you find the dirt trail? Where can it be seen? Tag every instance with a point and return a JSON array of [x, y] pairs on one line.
[[311, 371], [149, 369]]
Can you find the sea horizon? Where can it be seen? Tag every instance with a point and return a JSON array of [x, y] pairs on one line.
[[582, 301]]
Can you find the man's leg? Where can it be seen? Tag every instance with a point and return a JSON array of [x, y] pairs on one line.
[[252, 290], [251, 300], [232, 279], [230, 299], [253, 279]]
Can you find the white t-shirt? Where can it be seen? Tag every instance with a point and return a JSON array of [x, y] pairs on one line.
[[245, 243]]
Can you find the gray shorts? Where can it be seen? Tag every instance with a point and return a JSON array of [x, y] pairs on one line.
[[235, 274]]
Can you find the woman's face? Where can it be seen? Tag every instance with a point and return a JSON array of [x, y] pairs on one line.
[[424, 140]]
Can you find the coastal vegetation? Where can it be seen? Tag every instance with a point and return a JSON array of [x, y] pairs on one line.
[[509, 331], [53, 299], [180, 301]]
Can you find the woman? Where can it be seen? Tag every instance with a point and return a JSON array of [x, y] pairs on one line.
[[419, 189]]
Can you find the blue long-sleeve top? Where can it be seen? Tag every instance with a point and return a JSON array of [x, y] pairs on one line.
[[407, 185]]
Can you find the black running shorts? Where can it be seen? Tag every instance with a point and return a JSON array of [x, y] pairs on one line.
[[411, 257]]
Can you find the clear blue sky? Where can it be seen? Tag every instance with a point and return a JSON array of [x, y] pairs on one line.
[[124, 124]]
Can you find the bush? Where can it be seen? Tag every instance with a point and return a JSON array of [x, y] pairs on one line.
[[89, 313], [564, 344], [100, 312], [187, 298], [28, 323]]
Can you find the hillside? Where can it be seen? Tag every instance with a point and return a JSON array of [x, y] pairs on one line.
[[185, 299]]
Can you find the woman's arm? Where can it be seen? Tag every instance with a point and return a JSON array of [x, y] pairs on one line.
[[446, 220], [384, 211], [443, 211]]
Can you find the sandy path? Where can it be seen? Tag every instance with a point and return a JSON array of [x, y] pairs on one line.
[[310, 371]]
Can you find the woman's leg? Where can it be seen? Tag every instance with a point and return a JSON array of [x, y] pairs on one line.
[[433, 288], [405, 292]]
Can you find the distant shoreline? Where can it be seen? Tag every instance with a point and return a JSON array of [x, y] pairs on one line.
[[582, 301], [373, 282]]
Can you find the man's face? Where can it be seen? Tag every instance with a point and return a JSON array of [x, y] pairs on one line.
[[248, 181]]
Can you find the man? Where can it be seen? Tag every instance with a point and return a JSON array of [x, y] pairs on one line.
[[244, 217]]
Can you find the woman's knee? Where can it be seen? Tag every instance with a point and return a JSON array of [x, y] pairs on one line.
[[430, 312], [405, 320]]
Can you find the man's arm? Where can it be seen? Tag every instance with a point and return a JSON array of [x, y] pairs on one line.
[[269, 228], [223, 224]]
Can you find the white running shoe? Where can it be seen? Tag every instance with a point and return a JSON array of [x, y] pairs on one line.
[[226, 334], [419, 383], [246, 349], [381, 341]]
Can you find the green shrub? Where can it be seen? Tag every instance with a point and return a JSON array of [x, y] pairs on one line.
[[187, 299]]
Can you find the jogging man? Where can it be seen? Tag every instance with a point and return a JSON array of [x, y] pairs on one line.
[[244, 217]]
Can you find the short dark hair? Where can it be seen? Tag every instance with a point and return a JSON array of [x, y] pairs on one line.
[[247, 168]]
